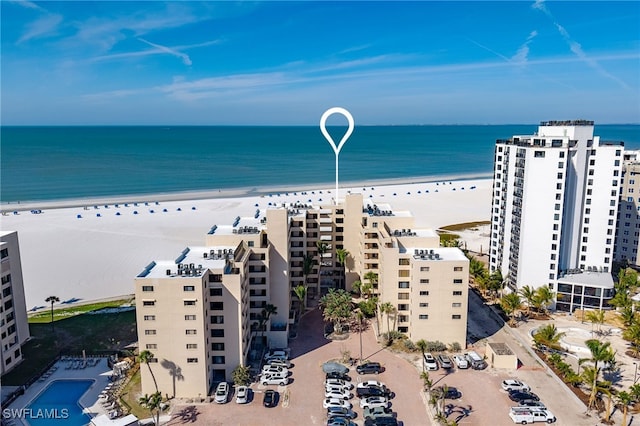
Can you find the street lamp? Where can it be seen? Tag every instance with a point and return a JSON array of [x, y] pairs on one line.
[[635, 373]]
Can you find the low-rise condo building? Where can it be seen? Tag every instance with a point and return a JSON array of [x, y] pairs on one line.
[[13, 310], [218, 306]]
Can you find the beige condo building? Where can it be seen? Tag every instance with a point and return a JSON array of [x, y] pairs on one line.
[[628, 230], [203, 314], [14, 327]]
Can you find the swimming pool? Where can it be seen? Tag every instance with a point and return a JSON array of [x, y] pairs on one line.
[[58, 404]]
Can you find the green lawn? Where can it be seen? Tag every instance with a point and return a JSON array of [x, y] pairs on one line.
[[63, 313], [74, 330], [464, 226]]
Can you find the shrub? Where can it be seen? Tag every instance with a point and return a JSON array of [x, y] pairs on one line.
[[455, 347], [409, 345], [436, 346]]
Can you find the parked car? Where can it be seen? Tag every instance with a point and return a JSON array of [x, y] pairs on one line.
[[476, 361], [524, 415], [277, 353], [222, 393], [337, 375], [430, 362], [340, 421], [531, 403], [281, 375], [335, 402], [242, 395], [374, 401], [452, 393], [371, 383], [381, 421], [274, 380], [339, 383], [514, 385], [518, 396], [368, 391], [273, 369], [270, 398], [444, 362], [377, 411], [337, 393], [341, 412], [369, 368], [461, 361], [280, 362]]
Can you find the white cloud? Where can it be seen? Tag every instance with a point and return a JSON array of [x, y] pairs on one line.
[[175, 50], [522, 54], [185, 58], [28, 5], [42, 27]]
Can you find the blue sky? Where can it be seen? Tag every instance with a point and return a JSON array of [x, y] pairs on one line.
[[278, 63]]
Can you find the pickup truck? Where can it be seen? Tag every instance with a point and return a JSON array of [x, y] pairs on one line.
[[524, 415]]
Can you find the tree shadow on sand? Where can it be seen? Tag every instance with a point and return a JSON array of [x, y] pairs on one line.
[[187, 415]]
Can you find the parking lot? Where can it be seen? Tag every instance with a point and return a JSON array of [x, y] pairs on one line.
[[300, 402]]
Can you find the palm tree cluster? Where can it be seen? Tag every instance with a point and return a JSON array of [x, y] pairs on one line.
[[625, 287], [336, 308], [537, 299], [488, 284]]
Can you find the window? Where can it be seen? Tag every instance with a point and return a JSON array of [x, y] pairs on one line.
[[424, 305], [403, 284], [403, 273], [457, 293], [189, 303], [403, 296], [190, 331], [192, 346], [147, 288], [4, 253], [148, 303], [403, 318], [560, 164], [215, 292], [217, 360], [189, 317], [538, 154], [456, 316], [457, 268], [188, 288], [403, 307], [151, 346], [149, 332], [192, 360], [457, 281], [456, 305], [217, 346], [216, 306], [423, 316], [149, 317], [424, 269], [217, 332], [424, 293], [217, 319], [424, 280], [6, 279], [403, 262]]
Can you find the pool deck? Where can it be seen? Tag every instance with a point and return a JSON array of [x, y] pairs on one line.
[[100, 374]]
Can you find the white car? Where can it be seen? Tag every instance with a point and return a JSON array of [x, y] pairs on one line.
[[337, 393], [276, 354], [269, 379], [242, 395], [374, 401], [222, 393], [279, 362], [461, 361], [338, 383], [430, 362], [514, 385], [371, 384], [335, 402], [272, 369]]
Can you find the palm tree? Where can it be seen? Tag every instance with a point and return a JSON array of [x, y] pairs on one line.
[[422, 345], [476, 268], [152, 403], [360, 319], [590, 375], [308, 263], [52, 299], [600, 352], [322, 249], [595, 317], [624, 398], [510, 304], [356, 286], [543, 298], [426, 380], [372, 277], [146, 357], [341, 256], [548, 336], [387, 308], [528, 293], [634, 391], [366, 289], [301, 294]]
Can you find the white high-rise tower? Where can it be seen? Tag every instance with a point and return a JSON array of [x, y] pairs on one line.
[[553, 218]]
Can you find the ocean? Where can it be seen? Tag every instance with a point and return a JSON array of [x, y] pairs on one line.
[[57, 163]]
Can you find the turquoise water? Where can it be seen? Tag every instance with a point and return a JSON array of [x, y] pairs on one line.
[[61, 397], [49, 163]]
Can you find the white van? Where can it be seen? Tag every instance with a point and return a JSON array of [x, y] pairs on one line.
[[476, 361], [531, 415], [430, 363]]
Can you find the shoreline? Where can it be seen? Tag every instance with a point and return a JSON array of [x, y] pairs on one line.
[[228, 193]]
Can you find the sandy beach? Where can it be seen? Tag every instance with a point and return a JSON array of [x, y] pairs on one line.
[[84, 250]]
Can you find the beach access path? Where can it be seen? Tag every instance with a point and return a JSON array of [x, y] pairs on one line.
[[84, 250]]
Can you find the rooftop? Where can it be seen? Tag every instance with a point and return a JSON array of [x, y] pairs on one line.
[[500, 348], [567, 123], [436, 254], [193, 261], [593, 279]]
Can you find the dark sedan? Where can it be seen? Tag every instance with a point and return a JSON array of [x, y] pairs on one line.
[[336, 375], [518, 396], [452, 393], [369, 368], [270, 398]]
